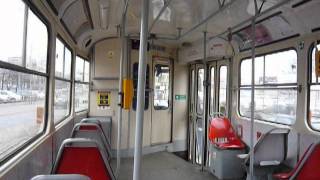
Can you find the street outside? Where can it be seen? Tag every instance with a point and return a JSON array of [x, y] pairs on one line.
[[18, 124]]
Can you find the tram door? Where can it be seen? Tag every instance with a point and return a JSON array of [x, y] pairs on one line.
[[161, 118], [217, 75]]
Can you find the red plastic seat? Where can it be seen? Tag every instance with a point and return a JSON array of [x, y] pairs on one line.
[[75, 158], [223, 135], [308, 166], [83, 160]]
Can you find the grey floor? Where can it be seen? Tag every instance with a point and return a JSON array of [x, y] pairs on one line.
[[163, 166]]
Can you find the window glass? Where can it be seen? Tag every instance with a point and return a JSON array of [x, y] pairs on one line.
[[281, 67], [67, 63], [223, 89], [37, 44], [86, 71], [246, 71], [200, 91], [161, 86], [314, 116], [212, 90], [61, 100], [82, 84], [22, 109], [59, 58], [79, 68], [81, 97], [275, 105], [11, 31], [275, 87]]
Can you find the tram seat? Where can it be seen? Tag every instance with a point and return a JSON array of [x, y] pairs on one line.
[[92, 131], [222, 134], [89, 160], [61, 177], [269, 152], [104, 122], [308, 166], [224, 147]]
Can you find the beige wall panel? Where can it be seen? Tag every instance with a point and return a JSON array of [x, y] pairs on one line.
[[180, 107]]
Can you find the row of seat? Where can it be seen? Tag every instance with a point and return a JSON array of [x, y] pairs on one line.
[[85, 155], [269, 152]]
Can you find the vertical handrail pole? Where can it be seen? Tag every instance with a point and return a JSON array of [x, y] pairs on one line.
[[205, 83], [253, 51], [141, 90], [120, 93]]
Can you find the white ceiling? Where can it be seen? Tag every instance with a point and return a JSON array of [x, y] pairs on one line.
[[84, 21]]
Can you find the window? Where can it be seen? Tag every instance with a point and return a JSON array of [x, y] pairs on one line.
[[161, 87], [82, 84], [212, 90], [22, 89], [275, 87], [62, 81], [200, 91], [223, 89], [314, 95], [135, 87]]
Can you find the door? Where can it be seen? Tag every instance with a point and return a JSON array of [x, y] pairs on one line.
[[161, 118], [195, 113], [217, 100]]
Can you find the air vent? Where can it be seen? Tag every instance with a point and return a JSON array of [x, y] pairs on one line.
[[88, 42]]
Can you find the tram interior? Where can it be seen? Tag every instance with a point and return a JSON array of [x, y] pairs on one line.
[[159, 89]]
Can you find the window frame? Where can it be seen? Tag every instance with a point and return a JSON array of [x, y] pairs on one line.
[[310, 83], [82, 82], [66, 46], [23, 69], [294, 86]]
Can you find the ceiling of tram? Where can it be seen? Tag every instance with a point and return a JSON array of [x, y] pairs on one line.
[[98, 19]]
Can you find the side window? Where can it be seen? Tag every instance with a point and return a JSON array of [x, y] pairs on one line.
[[161, 87], [135, 85], [22, 89], [62, 91], [200, 75], [275, 87], [82, 78], [314, 94], [223, 89]]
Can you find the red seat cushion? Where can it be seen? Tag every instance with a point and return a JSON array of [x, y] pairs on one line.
[[221, 128], [83, 160], [88, 127], [311, 168]]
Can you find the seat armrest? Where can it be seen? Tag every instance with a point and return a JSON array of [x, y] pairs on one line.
[[269, 163], [243, 156]]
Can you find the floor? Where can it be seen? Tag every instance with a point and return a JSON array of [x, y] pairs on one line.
[[162, 166]]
